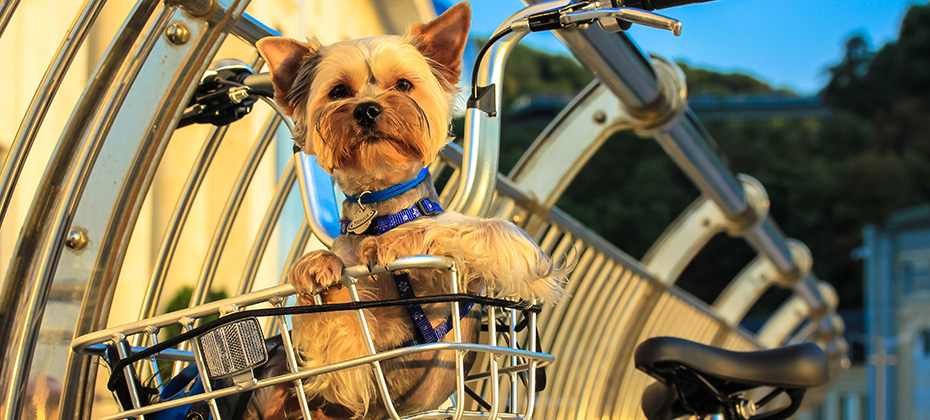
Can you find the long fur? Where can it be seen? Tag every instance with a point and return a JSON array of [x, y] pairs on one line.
[[492, 255]]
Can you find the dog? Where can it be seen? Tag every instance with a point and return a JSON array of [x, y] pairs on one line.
[[375, 112]]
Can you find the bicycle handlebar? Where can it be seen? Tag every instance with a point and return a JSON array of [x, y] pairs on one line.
[[259, 83], [226, 95], [655, 4]]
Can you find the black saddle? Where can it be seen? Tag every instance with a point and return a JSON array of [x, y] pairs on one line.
[[696, 379]]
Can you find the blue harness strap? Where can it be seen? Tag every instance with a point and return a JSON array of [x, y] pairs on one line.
[[425, 330], [382, 224], [369, 197], [425, 333]]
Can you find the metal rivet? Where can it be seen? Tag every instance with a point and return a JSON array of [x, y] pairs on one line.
[[178, 34], [77, 239], [600, 117]]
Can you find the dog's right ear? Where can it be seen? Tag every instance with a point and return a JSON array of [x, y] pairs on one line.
[[443, 40], [285, 56]]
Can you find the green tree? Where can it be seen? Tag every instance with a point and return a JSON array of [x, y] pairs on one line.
[[847, 77], [531, 71], [709, 82], [892, 91]]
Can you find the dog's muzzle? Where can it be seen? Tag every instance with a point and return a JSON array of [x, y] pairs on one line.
[[366, 113]]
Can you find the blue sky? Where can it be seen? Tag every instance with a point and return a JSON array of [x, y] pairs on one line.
[[786, 43]]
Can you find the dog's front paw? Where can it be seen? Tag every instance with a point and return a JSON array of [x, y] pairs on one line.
[[315, 272]]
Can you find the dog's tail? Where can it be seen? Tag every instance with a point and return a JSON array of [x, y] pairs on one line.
[[513, 265], [498, 255]]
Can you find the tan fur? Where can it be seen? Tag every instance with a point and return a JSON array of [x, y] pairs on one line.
[[492, 255]]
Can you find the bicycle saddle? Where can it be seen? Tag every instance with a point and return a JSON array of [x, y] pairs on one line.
[[694, 378], [798, 366]]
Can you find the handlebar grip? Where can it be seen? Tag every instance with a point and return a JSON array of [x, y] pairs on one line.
[[260, 83], [657, 4]]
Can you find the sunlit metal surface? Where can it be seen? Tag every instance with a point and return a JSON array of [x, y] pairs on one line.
[[38, 108], [482, 130], [178, 219], [549, 166], [6, 12], [38, 251], [231, 209]]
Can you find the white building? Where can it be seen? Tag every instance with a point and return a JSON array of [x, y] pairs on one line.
[[897, 310]]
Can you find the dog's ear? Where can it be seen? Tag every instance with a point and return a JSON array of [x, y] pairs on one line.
[[443, 40], [285, 56]]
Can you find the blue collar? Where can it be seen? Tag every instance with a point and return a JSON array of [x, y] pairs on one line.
[[368, 197], [382, 224], [425, 332]]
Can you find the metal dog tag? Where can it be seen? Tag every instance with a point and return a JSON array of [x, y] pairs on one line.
[[362, 220]]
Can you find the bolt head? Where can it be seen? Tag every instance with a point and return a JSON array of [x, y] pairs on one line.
[[746, 409], [178, 34], [77, 239]]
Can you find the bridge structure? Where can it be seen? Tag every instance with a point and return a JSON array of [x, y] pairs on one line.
[[127, 207]]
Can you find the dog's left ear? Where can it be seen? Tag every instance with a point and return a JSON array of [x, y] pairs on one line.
[[443, 40], [285, 56]]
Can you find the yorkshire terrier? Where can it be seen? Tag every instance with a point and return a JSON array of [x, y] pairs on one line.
[[376, 112]]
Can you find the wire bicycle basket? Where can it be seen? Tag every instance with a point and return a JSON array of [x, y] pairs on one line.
[[226, 352]]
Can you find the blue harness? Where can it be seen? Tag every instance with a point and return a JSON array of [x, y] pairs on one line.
[[427, 334], [383, 224]]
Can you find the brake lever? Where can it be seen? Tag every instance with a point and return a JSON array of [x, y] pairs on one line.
[[218, 106], [220, 99], [608, 19], [611, 19]]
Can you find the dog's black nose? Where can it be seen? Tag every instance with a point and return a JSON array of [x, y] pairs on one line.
[[366, 113]]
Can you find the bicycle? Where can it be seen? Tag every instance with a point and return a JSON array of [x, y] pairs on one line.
[[474, 193]]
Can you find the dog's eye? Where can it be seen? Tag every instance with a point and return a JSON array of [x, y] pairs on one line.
[[403, 85], [339, 92]]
